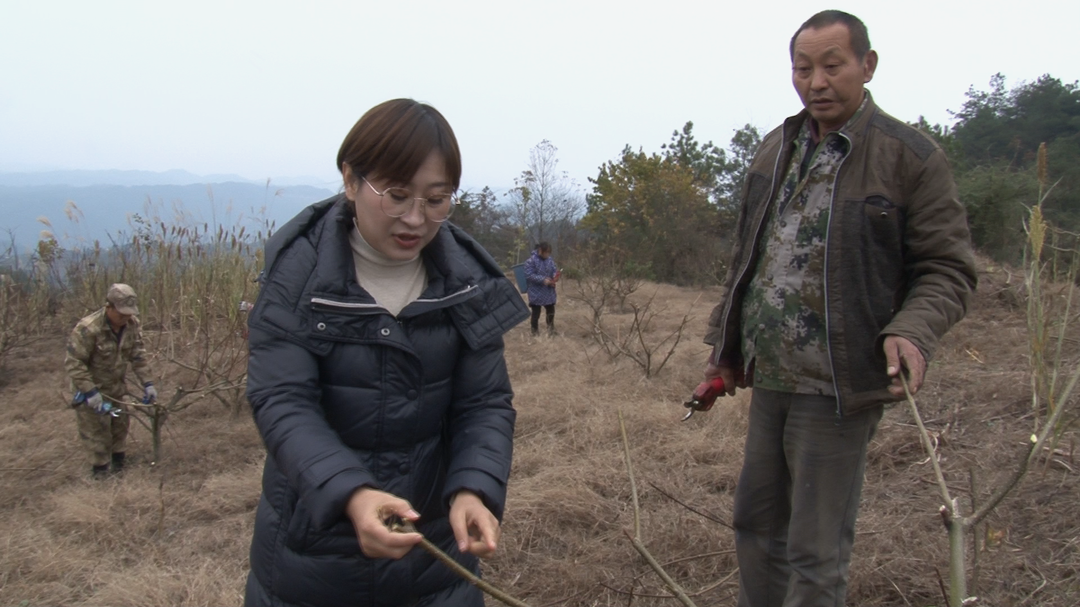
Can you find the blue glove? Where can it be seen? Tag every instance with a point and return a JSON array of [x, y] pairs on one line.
[[149, 393], [95, 402]]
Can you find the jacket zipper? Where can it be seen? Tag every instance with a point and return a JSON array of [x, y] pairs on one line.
[[825, 274], [436, 300], [351, 307], [368, 308]]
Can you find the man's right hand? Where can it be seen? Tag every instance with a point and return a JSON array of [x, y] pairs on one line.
[[733, 376], [95, 402], [369, 510]]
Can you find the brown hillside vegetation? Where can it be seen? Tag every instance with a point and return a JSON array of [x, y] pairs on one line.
[[177, 533]]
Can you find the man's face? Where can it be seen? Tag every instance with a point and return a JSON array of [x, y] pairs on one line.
[[828, 76], [116, 318]]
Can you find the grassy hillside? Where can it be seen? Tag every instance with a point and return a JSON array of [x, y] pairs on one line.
[[177, 533]]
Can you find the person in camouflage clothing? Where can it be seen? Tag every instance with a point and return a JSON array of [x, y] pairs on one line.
[[852, 259], [99, 351]]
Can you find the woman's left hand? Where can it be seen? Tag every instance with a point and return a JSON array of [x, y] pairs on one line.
[[475, 527]]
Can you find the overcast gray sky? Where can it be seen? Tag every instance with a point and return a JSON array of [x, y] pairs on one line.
[[269, 89]]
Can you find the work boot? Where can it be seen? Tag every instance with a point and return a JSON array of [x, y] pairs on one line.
[[100, 473], [118, 463]]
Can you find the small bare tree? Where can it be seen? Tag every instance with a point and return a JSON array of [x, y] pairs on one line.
[[545, 201], [604, 281], [637, 341], [1054, 381], [153, 415]]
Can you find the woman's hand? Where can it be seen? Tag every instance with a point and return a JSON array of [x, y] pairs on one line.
[[369, 510], [475, 527]]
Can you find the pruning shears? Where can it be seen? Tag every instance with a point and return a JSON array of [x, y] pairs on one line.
[[704, 396]]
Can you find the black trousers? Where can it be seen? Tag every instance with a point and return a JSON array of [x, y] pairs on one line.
[[535, 320]]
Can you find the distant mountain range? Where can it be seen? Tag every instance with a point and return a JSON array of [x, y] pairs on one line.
[[134, 178], [102, 202]]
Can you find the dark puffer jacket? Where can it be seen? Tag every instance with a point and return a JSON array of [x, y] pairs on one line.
[[346, 395]]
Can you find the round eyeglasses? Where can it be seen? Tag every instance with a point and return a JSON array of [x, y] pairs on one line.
[[396, 202]]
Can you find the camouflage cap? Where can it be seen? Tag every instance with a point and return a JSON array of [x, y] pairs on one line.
[[122, 297]]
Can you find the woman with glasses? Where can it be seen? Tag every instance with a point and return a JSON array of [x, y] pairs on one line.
[[377, 380]]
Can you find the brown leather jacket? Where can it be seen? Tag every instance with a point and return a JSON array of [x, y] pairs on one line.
[[898, 257]]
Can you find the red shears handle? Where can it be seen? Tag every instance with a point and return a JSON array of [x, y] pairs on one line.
[[706, 393]]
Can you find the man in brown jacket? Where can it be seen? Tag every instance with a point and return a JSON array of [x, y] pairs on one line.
[[852, 259], [99, 351]]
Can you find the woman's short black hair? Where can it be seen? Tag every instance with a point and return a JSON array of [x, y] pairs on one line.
[[392, 140]]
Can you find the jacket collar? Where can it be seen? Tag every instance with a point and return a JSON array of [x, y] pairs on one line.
[[854, 131], [455, 263]]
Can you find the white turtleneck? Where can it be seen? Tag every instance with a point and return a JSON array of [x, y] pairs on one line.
[[393, 284]]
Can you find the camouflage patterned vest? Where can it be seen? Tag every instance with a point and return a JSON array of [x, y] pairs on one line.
[[783, 314]]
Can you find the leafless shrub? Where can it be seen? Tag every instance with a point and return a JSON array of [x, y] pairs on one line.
[[153, 415], [595, 292], [13, 317], [605, 279], [637, 342], [1054, 377], [24, 310], [608, 287]]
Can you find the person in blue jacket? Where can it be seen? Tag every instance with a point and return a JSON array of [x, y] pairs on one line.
[[542, 275], [377, 380]]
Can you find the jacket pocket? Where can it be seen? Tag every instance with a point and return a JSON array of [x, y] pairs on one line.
[[884, 222], [302, 537], [872, 260]]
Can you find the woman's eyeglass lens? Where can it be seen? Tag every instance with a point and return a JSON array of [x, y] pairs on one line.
[[396, 202]]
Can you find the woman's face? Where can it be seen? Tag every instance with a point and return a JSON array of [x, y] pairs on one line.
[[399, 238]]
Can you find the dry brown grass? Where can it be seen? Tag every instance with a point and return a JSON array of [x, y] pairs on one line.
[[138, 541], [127, 541]]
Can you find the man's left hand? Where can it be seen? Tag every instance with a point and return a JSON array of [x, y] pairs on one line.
[[149, 393], [900, 353]]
